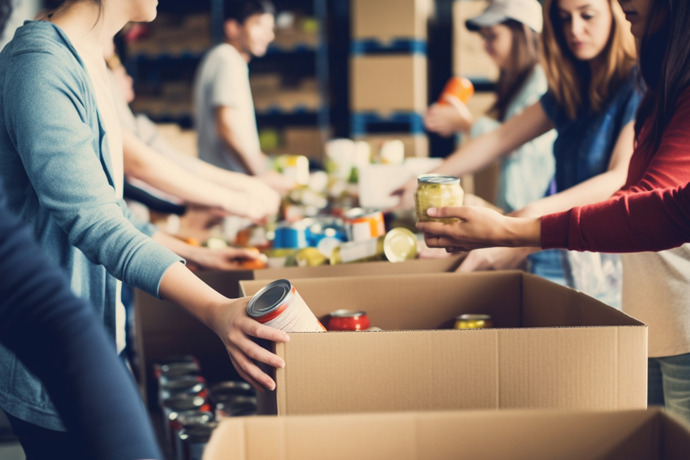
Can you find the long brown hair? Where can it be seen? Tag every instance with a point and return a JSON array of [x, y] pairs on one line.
[[664, 66], [567, 75], [525, 56]]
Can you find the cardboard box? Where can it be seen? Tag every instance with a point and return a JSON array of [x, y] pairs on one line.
[[387, 20], [469, 58], [488, 435], [164, 329], [415, 145], [552, 348], [305, 141], [388, 83]]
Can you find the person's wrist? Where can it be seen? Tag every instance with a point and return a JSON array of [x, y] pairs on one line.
[[523, 232]]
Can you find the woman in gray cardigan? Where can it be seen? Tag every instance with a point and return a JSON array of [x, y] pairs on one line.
[[61, 161]]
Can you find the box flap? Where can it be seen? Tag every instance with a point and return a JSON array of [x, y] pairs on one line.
[[488, 435]]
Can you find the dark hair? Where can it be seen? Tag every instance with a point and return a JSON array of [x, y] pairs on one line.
[[525, 56], [664, 66], [5, 13], [52, 5], [241, 10]]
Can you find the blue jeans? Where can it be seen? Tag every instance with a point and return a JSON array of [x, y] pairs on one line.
[[549, 265], [669, 384]]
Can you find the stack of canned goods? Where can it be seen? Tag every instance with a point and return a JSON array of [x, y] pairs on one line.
[[191, 409]]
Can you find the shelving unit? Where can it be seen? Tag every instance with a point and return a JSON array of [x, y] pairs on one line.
[[164, 70]]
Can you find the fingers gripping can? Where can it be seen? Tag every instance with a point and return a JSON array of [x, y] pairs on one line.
[[280, 306]]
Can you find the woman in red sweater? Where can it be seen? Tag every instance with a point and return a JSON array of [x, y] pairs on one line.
[[649, 213]]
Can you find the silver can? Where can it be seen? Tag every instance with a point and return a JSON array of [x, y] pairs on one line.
[[186, 384], [186, 420], [194, 440], [280, 306]]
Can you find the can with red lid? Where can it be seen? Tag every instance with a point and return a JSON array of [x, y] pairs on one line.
[[362, 225], [280, 306], [348, 320]]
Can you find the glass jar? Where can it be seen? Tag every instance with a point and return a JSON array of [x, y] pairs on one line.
[[436, 191]]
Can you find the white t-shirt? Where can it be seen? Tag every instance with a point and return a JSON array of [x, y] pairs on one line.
[[100, 81], [656, 290], [223, 81]]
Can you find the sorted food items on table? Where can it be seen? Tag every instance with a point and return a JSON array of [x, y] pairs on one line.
[[310, 257], [473, 322], [280, 306], [295, 167], [436, 191], [362, 225], [397, 245], [348, 320]]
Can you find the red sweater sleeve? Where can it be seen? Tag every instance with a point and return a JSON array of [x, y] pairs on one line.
[[645, 221], [651, 213]]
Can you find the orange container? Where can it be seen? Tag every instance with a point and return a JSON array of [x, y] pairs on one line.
[[459, 87]]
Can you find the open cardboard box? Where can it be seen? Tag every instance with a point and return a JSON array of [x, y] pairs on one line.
[[163, 329], [552, 347], [487, 435]]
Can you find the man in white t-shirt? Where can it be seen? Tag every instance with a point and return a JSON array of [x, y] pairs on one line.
[[225, 118]]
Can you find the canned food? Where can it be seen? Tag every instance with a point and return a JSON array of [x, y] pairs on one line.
[[310, 257], [185, 420], [222, 390], [194, 440], [363, 226], [186, 384], [236, 406], [173, 359], [473, 322], [290, 236], [295, 167], [398, 245], [392, 152], [280, 306], [178, 403], [348, 320], [173, 371], [460, 87], [327, 245], [435, 191]]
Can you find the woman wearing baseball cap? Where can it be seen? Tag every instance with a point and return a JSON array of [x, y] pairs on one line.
[[589, 60], [510, 29]]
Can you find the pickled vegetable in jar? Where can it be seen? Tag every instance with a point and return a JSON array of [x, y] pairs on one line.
[[437, 191]]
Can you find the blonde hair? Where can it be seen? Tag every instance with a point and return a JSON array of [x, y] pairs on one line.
[[565, 74]]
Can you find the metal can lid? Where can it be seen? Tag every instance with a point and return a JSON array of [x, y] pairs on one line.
[[179, 369], [437, 179], [231, 386], [182, 383], [182, 402], [269, 298], [193, 417], [473, 317], [198, 434], [176, 359], [348, 313], [400, 245]]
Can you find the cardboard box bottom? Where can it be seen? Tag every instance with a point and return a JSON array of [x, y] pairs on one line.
[[488, 435]]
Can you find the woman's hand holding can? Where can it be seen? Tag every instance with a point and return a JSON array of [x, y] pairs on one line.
[[235, 328]]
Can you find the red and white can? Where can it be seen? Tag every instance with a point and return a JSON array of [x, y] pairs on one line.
[[362, 226], [348, 320], [280, 306]]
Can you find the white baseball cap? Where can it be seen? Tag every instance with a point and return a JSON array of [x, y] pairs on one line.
[[527, 12]]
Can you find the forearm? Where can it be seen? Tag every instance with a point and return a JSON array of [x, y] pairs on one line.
[[596, 189], [255, 162], [233, 180], [153, 168], [180, 286]]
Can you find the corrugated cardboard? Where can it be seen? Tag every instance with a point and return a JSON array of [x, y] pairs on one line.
[[487, 435], [388, 83], [552, 348], [469, 57], [163, 329], [387, 20]]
